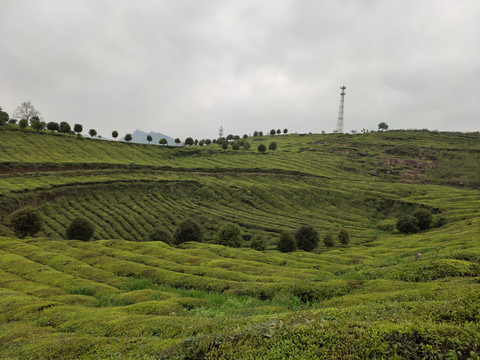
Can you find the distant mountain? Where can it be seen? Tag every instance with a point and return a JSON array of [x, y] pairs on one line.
[[140, 137]]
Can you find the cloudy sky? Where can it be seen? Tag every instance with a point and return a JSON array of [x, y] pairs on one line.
[[185, 67]]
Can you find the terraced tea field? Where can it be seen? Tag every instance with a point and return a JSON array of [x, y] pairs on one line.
[[119, 296]]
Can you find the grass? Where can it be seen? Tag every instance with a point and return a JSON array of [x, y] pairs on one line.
[[121, 297]]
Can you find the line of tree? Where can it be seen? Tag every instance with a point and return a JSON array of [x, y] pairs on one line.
[[29, 115], [28, 222], [306, 238]]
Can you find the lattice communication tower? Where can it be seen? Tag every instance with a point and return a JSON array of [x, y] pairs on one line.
[[220, 132], [340, 111]]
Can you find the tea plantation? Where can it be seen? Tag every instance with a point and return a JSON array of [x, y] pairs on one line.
[[119, 296]]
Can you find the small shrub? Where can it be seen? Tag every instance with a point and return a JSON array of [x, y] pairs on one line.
[[408, 224], [343, 237], [26, 222], [328, 240], [187, 230], [159, 234], [229, 235], [424, 218], [80, 229], [307, 238], [258, 243], [286, 242]]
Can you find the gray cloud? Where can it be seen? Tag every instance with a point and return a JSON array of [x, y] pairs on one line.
[[186, 67]]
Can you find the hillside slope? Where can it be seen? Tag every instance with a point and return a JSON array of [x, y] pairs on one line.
[[122, 297]]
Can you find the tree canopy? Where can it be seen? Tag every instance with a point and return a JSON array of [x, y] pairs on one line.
[[383, 126], [26, 111], [26, 221], [187, 230], [307, 238], [78, 128]]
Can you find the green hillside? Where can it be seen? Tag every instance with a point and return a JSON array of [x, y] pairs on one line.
[[122, 297]]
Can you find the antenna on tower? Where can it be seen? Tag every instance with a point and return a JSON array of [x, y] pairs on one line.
[[340, 111], [220, 132]]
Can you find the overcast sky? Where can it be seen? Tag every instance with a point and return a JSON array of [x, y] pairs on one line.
[[185, 67]]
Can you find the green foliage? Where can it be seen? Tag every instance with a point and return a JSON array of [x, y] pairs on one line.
[[224, 145], [383, 126], [286, 242], [82, 290], [343, 237], [229, 235], [272, 146], [78, 128], [80, 229], [424, 218], [38, 125], [387, 225], [4, 117], [128, 137], [258, 243], [189, 141], [328, 240], [187, 230], [26, 221], [23, 123], [261, 148], [439, 222], [65, 127], [159, 234], [408, 224], [306, 238], [53, 126], [163, 141], [92, 133], [147, 300]]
